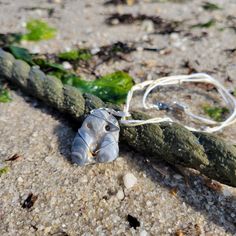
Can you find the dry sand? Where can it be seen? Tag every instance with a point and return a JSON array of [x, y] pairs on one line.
[[93, 200]]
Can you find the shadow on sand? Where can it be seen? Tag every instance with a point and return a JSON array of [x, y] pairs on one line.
[[214, 205]]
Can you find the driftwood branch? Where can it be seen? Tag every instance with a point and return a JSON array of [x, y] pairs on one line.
[[171, 142]]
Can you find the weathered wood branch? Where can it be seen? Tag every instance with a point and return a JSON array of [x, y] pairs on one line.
[[171, 142]]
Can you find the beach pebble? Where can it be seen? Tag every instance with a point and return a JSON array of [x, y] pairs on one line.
[[120, 194], [148, 26], [47, 230], [55, 1], [35, 49], [143, 233], [20, 180], [66, 65], [129, 180], [177, 176]]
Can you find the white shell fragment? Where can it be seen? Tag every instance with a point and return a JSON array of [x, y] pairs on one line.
[[129, 180], [97, 139]]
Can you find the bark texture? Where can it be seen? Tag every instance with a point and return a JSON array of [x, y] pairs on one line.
[[171, 142]]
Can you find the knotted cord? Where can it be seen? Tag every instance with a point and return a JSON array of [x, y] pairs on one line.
[[210, 125]]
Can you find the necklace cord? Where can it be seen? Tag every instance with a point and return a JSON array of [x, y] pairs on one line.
[[210, 125]]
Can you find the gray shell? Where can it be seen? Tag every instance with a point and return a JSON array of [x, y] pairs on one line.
[[97, 139]]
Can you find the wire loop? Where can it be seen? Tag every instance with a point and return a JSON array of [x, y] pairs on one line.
[[179, 79]]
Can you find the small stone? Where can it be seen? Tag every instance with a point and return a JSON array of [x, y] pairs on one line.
[[35, 50], [36, 210], [53, 201], [148, 26], [150, 63], [149, 76], [145, 38], [120, 194], [41, 227], [35, 134], [144, 233], [115, 22], [39, 12], [66, 65], [47, 230], [130, 2], [139, 49], [20, 180], [174, 36], [228, 191], [95, 50], [178, 177], [23, 24], [56, 1], [129, 180], [84, 179]]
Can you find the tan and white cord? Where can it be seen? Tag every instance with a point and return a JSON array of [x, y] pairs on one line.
[[210, 125]]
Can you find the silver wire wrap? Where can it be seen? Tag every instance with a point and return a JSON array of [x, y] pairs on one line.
[[97, 139]]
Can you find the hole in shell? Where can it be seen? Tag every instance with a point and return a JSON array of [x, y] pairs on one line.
[[107, 128], [89, 126]]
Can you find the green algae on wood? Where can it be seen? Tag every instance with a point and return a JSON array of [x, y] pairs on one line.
[[53, 91], [187, 151], [36, 82], [171, 142], [160, 140], [21, 53], [74, 102], [138, 137], [113, 87], [221, 156]]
